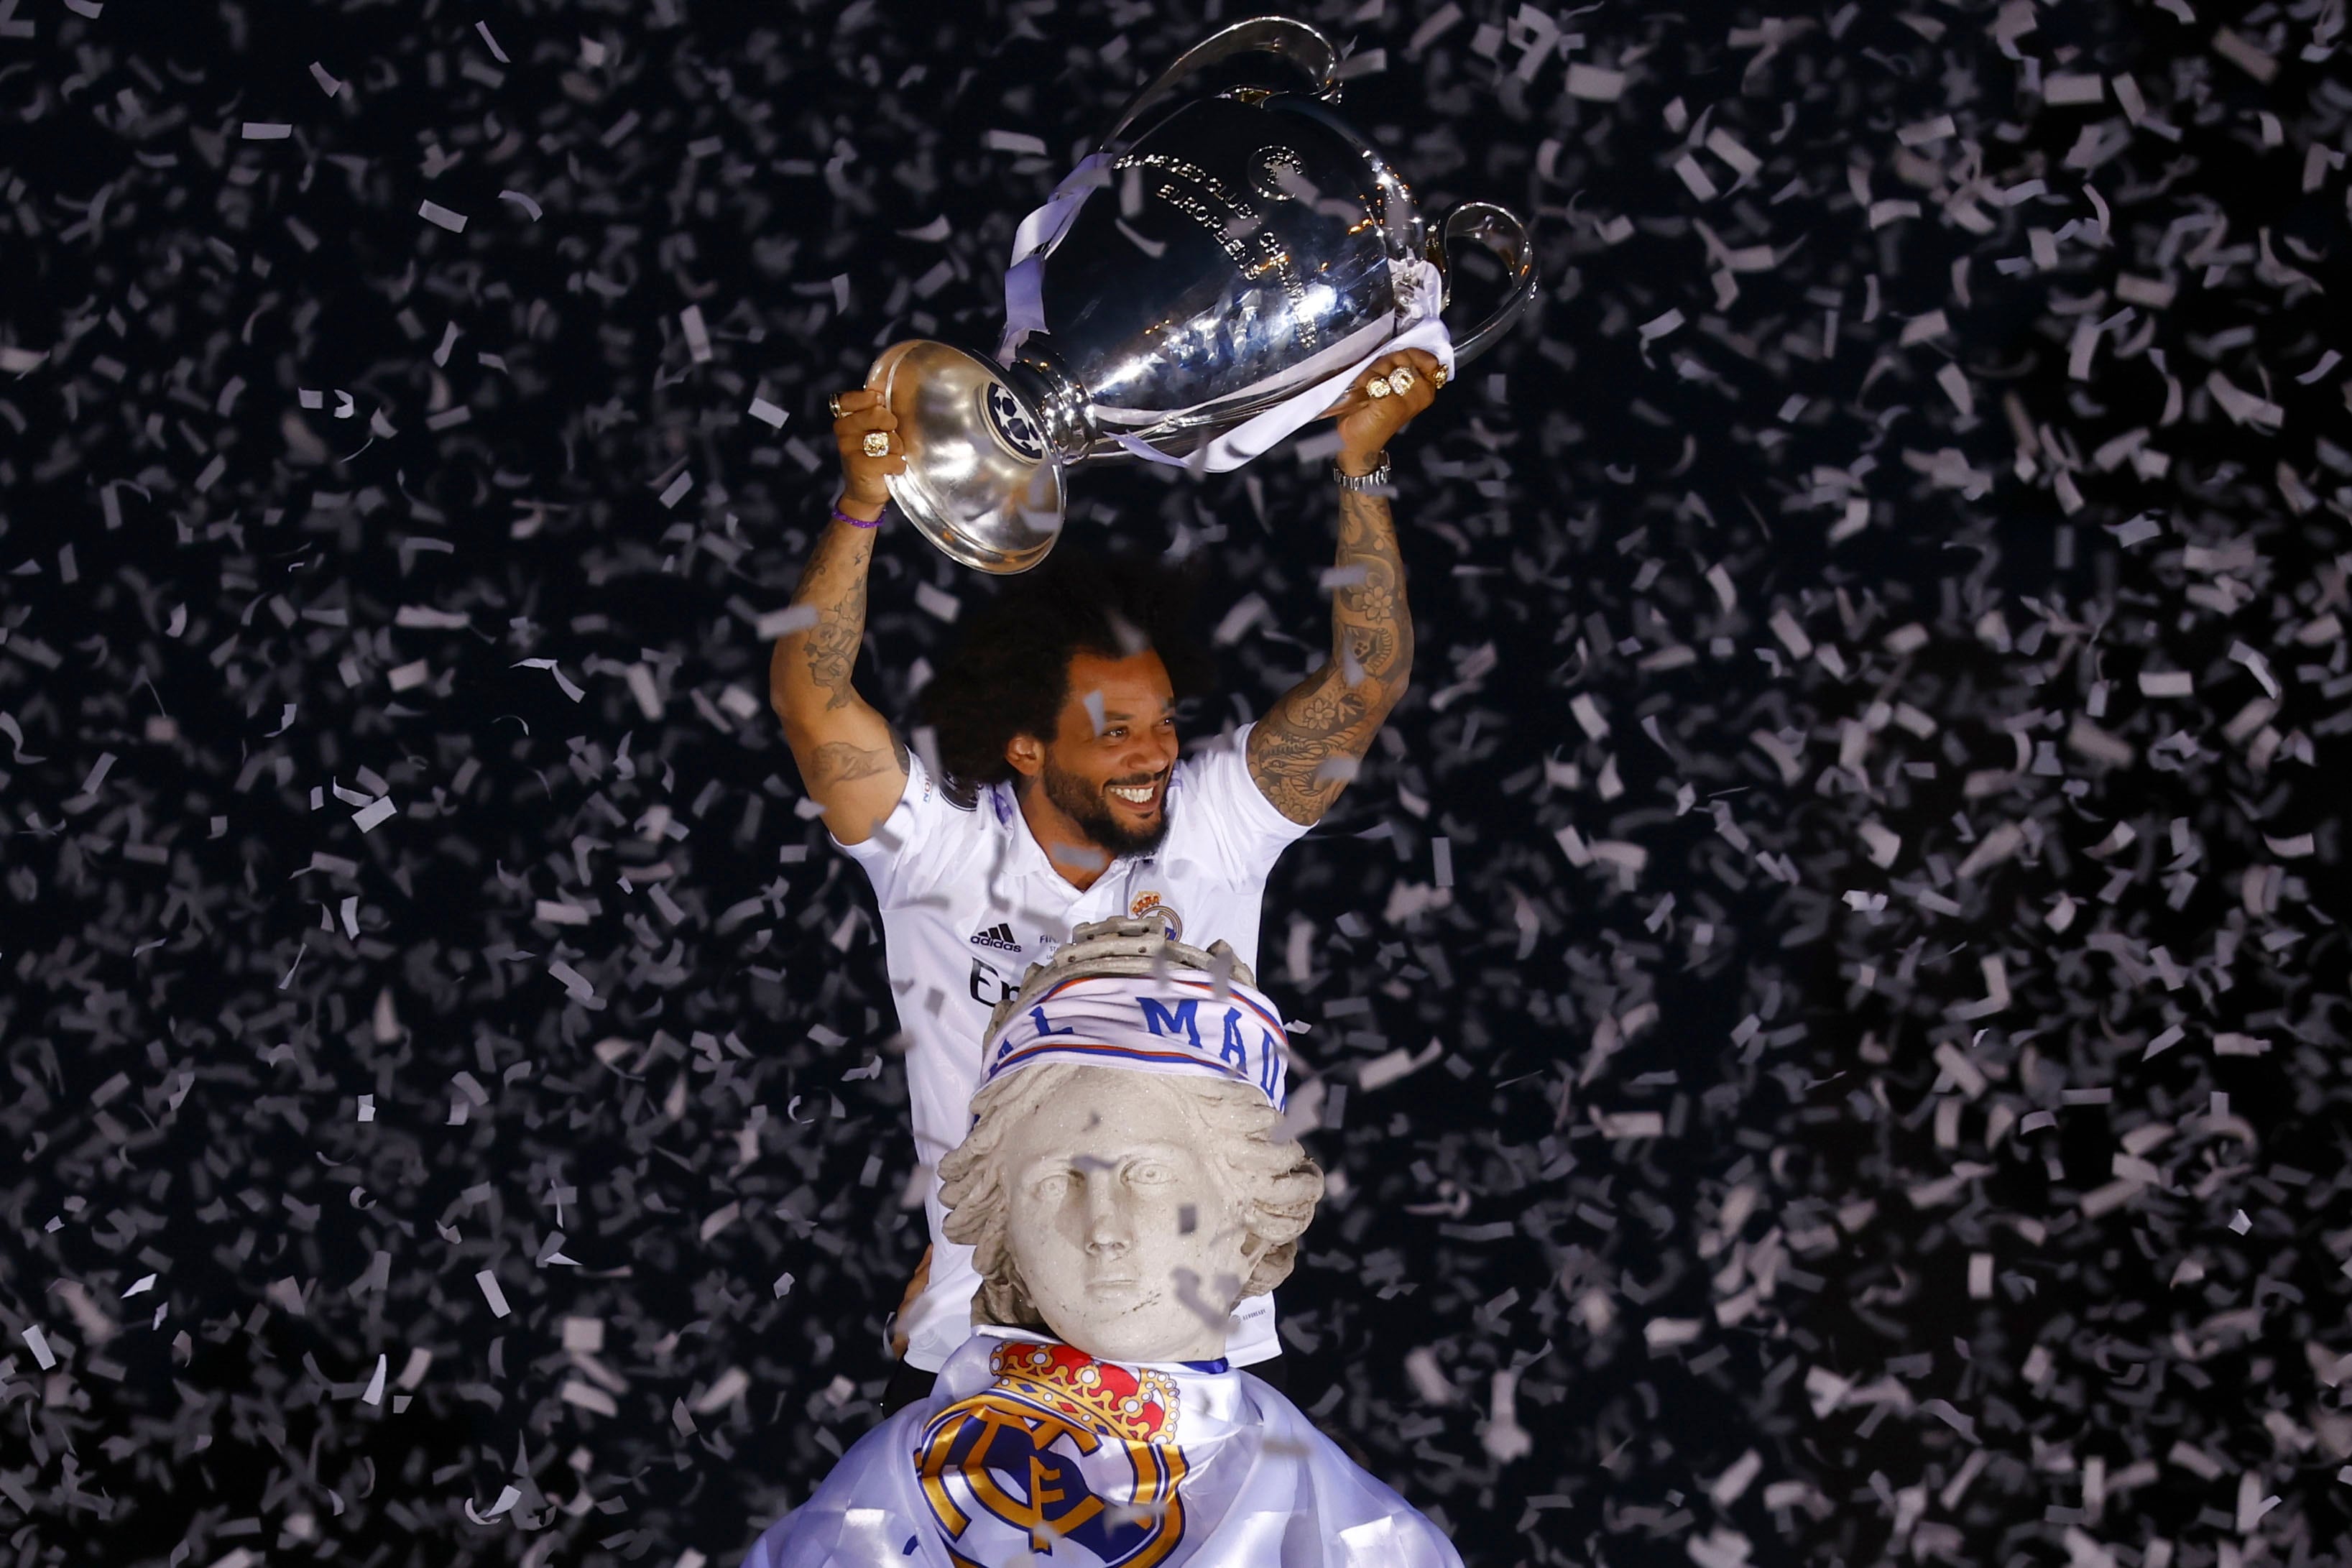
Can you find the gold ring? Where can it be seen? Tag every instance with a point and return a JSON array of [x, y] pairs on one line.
[[1438, 377], [1378, 387], [877, 443], [834, 402], [1401, 380]]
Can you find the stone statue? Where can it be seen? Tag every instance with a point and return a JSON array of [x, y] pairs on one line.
[[1125, 1184]]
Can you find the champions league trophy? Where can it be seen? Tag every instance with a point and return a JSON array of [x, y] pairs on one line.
[[1207, 281]]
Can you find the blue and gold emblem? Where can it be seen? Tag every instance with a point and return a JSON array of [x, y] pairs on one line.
[[1012, 423], [1061, 1447]]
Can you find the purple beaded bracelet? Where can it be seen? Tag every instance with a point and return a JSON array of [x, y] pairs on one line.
[[855, 521]]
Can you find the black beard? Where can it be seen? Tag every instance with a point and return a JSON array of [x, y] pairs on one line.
[[1086, 806]]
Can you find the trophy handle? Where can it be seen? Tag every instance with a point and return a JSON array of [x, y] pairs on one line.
[[1302, 46], [1506, 237]]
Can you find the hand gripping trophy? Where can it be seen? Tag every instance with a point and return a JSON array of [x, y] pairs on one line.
[[1126, 1183], [1214, 276]]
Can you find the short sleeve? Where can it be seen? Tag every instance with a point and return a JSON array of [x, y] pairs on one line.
[[907, 851], [1231, 830]]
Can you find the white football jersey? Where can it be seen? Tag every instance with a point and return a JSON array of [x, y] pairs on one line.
[[968, 901]]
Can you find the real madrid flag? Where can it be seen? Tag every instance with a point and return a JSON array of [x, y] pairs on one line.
[[1029, 1449]]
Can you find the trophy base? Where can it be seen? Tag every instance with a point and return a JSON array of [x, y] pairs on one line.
[[982, 481]]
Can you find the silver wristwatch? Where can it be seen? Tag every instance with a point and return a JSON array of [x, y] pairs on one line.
[[1378, 477]]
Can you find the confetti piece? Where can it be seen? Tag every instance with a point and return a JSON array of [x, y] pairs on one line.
[[1594, 84], [435, 212], [2243, 54], [2065, 87]]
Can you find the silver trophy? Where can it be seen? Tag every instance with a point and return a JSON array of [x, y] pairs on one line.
[[1229, 247]]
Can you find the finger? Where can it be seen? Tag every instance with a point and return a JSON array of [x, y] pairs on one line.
[[858, 397], [1349, 401], [879, 418]]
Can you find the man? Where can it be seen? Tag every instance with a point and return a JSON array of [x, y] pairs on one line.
[[1063, 800]]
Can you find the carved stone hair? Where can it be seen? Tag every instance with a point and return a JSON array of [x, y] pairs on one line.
[[1236, 1131]]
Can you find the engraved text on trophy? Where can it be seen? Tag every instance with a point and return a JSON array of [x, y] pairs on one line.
[[1233, 223]]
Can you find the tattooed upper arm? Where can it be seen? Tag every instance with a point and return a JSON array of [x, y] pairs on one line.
[[1306, 748], [858, 780], [841, 763]]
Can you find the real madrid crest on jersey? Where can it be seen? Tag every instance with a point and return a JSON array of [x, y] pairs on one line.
[[1061, 1448], [1150, 903]]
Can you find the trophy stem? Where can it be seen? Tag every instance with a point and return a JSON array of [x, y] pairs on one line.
[[1058, 399]]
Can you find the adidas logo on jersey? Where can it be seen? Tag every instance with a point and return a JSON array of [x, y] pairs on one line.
[[999, 936]]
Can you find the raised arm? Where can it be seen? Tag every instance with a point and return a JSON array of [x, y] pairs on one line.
[[1306, 748], [852, 762]]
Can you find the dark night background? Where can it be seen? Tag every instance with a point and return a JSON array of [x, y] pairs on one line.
[[1870, 782]]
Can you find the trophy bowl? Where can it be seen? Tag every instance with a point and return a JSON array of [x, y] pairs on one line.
[[1207, 281], [980, 482]]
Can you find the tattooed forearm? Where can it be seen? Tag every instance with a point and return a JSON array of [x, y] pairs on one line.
[[1369, 616], [816, 661], [1305, 751], [832, 647], [852, 762]]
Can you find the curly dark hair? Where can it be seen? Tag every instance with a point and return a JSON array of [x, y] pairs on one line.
[[1010, 672]]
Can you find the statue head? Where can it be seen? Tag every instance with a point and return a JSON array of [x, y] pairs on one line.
[[1126, 1213]]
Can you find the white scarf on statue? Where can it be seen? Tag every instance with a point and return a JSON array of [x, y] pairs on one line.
[[1029, 1446]]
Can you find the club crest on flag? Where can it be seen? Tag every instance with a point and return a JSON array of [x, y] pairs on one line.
[[1061, 1448]]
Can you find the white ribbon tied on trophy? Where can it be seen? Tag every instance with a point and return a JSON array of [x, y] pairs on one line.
[[1025, 312]]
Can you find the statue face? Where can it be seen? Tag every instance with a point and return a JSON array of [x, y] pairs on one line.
[[1129, 1242]]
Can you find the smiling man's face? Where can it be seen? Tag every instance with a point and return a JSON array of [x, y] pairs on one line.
[[1108, 764]]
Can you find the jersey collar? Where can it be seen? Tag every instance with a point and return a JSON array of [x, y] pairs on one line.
[[1030, 858]]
